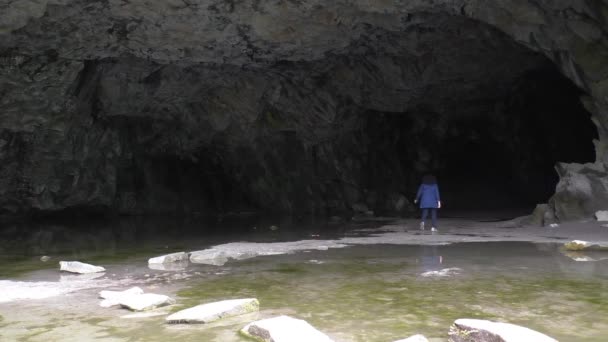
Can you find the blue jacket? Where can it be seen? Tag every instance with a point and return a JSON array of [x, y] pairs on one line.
[[428, 196]]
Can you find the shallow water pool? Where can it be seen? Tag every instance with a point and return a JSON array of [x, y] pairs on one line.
[[369, 293]]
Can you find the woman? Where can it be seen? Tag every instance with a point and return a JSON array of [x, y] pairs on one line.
[[428, 195]]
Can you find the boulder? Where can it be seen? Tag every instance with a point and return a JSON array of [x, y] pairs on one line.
[[283, 329], [415, 338], [601, 215], [582, 190], [477, 330], [79, 267], [146, 301], [112, 298], [579, 245], [169, 258], [542, 215], [210, 312]]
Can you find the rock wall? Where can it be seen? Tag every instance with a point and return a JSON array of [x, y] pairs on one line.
[[199, 105]]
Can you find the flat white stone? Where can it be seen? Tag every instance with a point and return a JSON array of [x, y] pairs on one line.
[[112, 298], [210, 312], [146, 301], [219, 255], [446, 272], [119, 294], [601, 215], [169, 258], [284, 329], [497, 331], [415, 338], [79, 267]]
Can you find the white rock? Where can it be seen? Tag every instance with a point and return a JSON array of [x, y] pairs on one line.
[[210, 312], [283, 329], [112, 298], [601, 215], [579, 245], [415, 338], [119, 294], [482, 330], [169, 258], [446, 272], [146, 301], [79, 267], [554, 225], [209, 257], [45, 258], [219, 255]]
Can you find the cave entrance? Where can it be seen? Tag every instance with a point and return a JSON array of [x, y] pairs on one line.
[[498, 162]]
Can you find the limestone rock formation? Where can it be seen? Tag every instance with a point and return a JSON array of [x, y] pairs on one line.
[[299, 107]]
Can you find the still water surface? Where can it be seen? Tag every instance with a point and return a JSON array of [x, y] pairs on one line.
[[365, 293]]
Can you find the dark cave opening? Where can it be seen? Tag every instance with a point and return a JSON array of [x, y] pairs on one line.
[[501, 160]]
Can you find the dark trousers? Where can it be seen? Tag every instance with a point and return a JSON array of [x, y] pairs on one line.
[[425, 213]]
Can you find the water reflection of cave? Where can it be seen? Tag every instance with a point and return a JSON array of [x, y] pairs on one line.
[[498, 159]]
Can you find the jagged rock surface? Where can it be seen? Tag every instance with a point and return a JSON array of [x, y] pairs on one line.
[[175, 106]]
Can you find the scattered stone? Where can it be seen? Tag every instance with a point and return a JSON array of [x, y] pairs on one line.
[[169, 258], [476, 330], [601, 215], [579, 245], [146, 301], [45, 258], [210, 312], [415, 338], [554, 225], [446, 272], [273, 227], [112, 298], [79, 267], [283, 329]]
